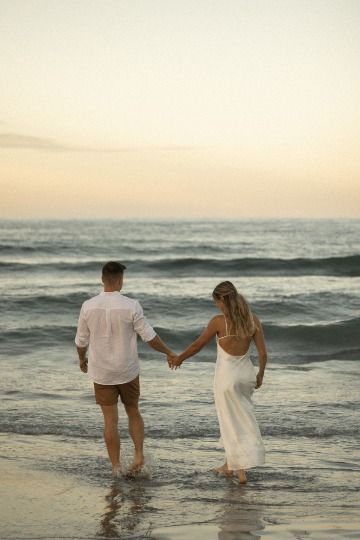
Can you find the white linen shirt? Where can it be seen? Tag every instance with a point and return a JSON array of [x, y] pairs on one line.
[[108, 325]]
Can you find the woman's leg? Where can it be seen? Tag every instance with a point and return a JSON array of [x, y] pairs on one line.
[[224, 469], [241, 474]]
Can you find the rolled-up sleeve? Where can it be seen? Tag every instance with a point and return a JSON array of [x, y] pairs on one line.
[[83, 332], [141, 325]]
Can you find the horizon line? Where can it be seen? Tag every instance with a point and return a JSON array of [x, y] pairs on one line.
[[183, 219]]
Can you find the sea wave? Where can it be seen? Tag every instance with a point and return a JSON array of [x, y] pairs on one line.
[[344, 332], [181, 431], [332, 266], [292, 309], [133, 249], [291, 341], [344, 266], [339, 334]]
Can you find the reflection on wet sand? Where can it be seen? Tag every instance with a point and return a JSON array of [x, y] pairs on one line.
[[125, 504], [242, 516], [238, 523]]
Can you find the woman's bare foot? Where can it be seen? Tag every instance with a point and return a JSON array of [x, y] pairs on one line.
[[241, 474], [223, 470]]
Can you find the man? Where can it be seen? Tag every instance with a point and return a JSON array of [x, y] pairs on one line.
[[108, 326]]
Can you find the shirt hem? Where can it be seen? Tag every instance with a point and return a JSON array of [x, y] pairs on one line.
[[113, 383]]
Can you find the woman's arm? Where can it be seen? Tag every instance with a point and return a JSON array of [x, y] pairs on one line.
[[259, 340], [197, 345]]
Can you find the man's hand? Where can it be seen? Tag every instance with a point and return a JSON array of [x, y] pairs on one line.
[[83, 361], [176, 362], [83, 365], [170, 358], [259, 379]]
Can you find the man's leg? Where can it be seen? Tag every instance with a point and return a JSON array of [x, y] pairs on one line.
[[111, 435], [136, 430]]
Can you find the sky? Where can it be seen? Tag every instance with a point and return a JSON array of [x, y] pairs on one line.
[[179, 109]]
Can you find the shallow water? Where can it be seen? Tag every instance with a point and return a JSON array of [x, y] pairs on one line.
[[312, 459], [308, 407]]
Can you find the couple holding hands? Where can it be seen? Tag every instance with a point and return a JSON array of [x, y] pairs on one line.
[[106, 341]]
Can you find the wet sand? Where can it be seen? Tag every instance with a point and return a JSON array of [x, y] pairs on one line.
[[37, 504], [312, 528], [46, 505]]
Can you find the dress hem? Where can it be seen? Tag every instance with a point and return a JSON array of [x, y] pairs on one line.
[[247, 466]]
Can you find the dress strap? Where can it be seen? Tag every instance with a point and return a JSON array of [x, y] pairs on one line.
[[227, 332], [226, 327]]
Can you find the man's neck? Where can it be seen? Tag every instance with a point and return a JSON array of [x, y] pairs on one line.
[[110, 289]]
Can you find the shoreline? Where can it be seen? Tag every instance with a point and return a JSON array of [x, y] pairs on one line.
[[46, 505]]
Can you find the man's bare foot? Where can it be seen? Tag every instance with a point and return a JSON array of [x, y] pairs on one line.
[[241, 474], [223, 470], [137, 466], [116, 471]]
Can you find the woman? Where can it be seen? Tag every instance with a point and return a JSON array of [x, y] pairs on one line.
[[235, 378]]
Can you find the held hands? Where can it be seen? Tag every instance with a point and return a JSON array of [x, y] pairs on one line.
[[176, 362], [170, 357], [173, 361]]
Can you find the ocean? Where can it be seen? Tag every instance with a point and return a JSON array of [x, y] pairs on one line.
[[301, 277]]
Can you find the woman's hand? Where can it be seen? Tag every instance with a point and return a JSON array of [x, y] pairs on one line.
[[259, 379], [197, 345], [176, 362]]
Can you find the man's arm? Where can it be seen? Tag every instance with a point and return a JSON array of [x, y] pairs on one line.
[[82, 358], [158, 345], [82, 340], [148, 334]]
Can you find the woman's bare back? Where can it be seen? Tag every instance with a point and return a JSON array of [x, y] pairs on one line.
[[235, 345]]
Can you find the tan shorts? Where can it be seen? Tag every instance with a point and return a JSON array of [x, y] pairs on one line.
[[108, 394]]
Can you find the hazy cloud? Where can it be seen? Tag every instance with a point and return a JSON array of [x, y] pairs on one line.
[[15, 140]]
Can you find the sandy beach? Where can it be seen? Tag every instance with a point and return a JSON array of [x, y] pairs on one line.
[[41, 505], [38, 504]]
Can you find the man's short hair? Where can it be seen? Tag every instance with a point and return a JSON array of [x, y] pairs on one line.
[[112, 269]]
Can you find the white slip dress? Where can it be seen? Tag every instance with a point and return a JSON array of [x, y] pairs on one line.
[[234, 384]]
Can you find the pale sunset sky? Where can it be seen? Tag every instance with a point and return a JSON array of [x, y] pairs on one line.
[[179, 108]]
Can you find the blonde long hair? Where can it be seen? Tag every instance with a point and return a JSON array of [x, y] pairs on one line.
[[237, 310]]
